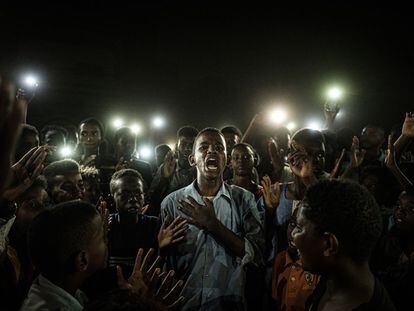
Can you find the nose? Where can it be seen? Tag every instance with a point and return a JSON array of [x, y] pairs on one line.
[[211, 149]]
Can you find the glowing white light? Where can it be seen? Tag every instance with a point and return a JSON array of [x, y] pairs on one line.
[[135, 128], [291, 126], [171, 144], [278, 116], [314, 125], [66, 151], [158, 122], [145, 152], [334, 93], [118, 123], [31, 81]]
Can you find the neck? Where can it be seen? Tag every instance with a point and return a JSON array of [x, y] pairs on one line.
[[242, 181], [351, 277], [209, 187]]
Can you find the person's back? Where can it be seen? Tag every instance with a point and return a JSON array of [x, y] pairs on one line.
[[337, 227], [67, 245]]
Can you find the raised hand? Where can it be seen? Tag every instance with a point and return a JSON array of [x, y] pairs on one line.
[[12, 113], [170, 162], [172, 233], [276, 157], [390, 155], [408, 126], [144, 274], [271, 198], [25, 172], [357, 155], [104, 213], [338, 162], [168, 293], [202, 216]]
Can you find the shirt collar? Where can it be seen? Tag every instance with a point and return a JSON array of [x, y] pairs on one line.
[[223, 191]]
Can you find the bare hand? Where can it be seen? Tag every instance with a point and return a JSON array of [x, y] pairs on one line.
[[26, 170], [169, 164], [276, 156], [301, 164], [202, 216], [271, 198], [173, 233], [338, 163], [104, 213], [390, 155], [143, 276], [357, 156], [11, 117], [145, 209], [408, 126]]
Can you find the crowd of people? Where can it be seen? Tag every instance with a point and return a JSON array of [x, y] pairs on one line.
[[262, 219]]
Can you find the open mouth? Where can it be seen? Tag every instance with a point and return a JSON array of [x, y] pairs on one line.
[[212, 164]]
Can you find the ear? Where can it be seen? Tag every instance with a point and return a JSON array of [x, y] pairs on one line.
[[331, 245], [256, 159], [81, 261], [191, 160]]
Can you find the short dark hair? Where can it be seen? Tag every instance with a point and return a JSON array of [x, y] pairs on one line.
[[52, 127], [28, 129], [307, 135], [61, 167], [187, 131], [205, 130], [95, 122], [123, 131], [128, 172], [348, 211], [230, 129], [57, 235], [245, 145]]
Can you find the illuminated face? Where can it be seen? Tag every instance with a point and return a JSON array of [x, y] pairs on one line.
[[184, 149], [210, 155], [89, 136], [242, 160], [68, 187], [129, 196], [309, 243], [125, 146]]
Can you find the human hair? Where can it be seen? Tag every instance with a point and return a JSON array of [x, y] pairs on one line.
[[205, 130], [128, 172], [57, 235], [61, 167], [308, 137], [163, 148], [28, 129], [52, 127], [94, 122], [378, 128], [187, 131], [348, 211], [230, 129], [123, 131]]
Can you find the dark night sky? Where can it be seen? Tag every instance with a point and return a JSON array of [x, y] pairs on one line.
[[209, 64]]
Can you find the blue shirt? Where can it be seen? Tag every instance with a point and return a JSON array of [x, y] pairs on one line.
[[214, 278]]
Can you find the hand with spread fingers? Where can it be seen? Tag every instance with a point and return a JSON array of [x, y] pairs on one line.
[[104, 213], [202, 216], [172, 232], [271, 198], [25, 172], [357, 155], [170, 162], [145, 279]]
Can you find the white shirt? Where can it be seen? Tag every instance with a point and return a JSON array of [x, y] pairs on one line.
[[44, 295]]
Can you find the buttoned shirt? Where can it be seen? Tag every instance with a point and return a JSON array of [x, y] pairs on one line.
[[214, 277]]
